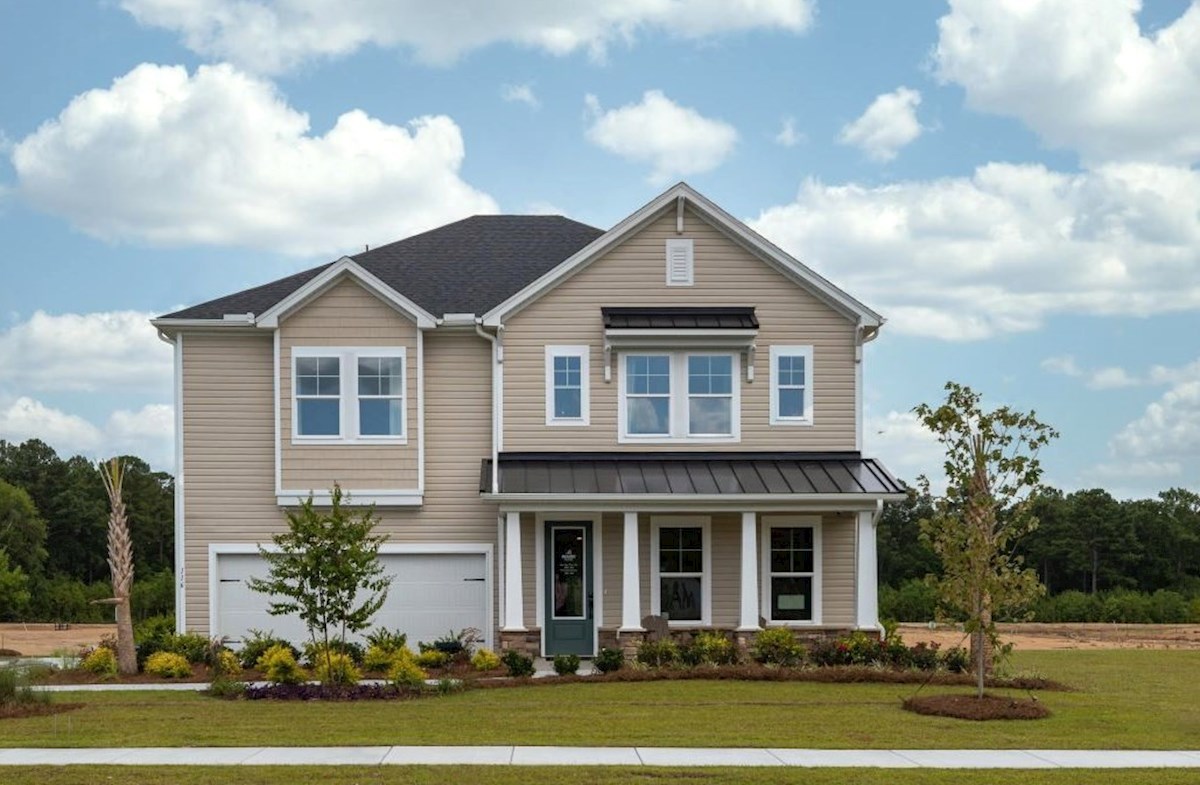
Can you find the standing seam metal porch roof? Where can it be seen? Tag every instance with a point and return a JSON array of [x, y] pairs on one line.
[[703, 474], [680, 318]]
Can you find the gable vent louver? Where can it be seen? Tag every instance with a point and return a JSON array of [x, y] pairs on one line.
[[680, 262]]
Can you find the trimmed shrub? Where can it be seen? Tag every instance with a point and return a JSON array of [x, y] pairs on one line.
[[226, 663], [485, 660], [518, 664], [387, 640], [335, 667], [566, 664], [710, 647], [658, 654], [923, 657], [101, 661], [279, 665], [609, 660], [352, 650], [168, 665], [956, 660], [433, 658], [258, 643], [378, 659], [193, 647], [777, 646], [405, 673]]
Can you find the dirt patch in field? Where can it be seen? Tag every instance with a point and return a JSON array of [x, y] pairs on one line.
[[1034, 636], [21, 710], [969, 707], [42, 640]]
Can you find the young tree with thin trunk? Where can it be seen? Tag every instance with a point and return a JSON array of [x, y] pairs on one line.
[[120, 563], [326, 569], [992, 471]]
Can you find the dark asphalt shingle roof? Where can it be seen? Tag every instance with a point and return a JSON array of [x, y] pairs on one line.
[[469, 266], [690, 473]]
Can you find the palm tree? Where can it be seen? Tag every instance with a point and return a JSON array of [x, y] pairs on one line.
[[120, 562]]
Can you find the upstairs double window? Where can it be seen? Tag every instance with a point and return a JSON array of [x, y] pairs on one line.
[[679, 396], [353, 395]]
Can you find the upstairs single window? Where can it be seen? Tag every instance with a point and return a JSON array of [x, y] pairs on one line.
[[380, 396], [318, 396], [791, 385], [567, 385]]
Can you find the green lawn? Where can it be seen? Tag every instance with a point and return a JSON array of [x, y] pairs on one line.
[[422, 775], [1126, 700]]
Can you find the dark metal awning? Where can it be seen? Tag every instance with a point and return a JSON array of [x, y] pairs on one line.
[[815, 476], [680, 318]]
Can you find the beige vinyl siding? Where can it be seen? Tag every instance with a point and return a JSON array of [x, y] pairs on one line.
[[837, 564], [348, 315], [531, 533], [229, 450], [633, 274]]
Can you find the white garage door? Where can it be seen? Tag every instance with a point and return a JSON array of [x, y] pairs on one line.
[[430, 595]]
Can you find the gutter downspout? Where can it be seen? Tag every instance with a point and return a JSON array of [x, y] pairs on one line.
[[497, 359]]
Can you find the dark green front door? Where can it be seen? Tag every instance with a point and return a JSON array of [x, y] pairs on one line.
[[570, 628]]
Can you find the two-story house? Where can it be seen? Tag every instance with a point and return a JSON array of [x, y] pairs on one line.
[[563, 431]]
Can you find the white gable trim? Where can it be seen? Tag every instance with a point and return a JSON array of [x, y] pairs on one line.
[[345, 267], [709, 211]]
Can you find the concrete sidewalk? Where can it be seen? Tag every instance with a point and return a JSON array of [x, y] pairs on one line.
[[601, 756]]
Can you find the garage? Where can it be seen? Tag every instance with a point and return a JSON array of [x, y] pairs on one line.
[[431, 594]]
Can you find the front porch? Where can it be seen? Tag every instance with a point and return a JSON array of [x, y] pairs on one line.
[[575, 582]]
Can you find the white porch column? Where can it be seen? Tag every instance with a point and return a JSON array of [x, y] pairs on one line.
[[867, 578], [514, 605], [749, 616], [631, 578]]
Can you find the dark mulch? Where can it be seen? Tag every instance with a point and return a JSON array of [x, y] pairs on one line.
[[311, 692], [970, 707], [9, 653], [16, 711], [200, 673], [841, 674]]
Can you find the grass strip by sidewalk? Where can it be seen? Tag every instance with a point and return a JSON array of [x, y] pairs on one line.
[[1125, 700], [574, 775]]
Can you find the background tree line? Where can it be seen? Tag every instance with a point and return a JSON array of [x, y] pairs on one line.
[[53, 525], [1100, 559]]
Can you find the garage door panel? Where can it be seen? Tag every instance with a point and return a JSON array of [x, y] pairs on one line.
[[430, 594]]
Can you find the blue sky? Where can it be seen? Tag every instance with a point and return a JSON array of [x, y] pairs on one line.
[[1013, 184]]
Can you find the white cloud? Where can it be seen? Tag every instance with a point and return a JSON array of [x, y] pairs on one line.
[[1080, 73], [85, 352], [1064, 365], [520, 94], [271, 36], [147, 433], [26, 418], [965, 258], [907, 448], [888, 124], [219, 158], [788, 136], [674, 140], [1169, 428], [1115, 377]]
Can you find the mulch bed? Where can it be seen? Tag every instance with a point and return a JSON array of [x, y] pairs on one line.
[[309, 692], [9, 653], [200, 673], [970, 707], [16, 711]]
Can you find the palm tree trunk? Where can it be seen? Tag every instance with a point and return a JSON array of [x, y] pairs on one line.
[[120, 562]]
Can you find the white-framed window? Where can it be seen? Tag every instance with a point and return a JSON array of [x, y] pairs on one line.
[[352, 395], [791, 569], [681, 570], [567, 390], [791, 385], [679, 397]]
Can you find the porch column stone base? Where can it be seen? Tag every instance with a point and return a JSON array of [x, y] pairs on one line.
[[625, 640], [525, 641]]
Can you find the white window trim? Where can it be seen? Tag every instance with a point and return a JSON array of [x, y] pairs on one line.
[[792, 351], [789, 521], [348, 386], [582, 353], [678, 408], [705, 523]]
